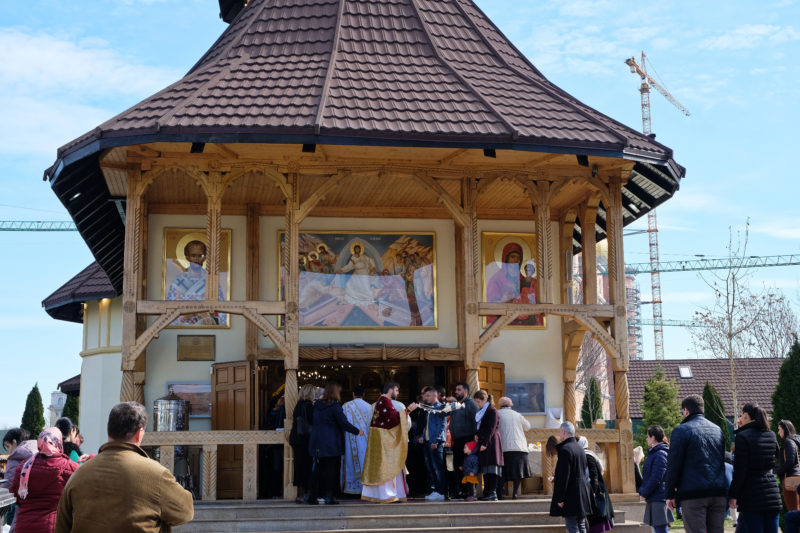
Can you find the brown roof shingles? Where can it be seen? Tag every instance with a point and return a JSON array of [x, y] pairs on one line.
[[756, 380], [91, 283], [421, 69]]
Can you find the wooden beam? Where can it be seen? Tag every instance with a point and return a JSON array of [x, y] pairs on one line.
[[308, 205], [594, 311], [493, 331], [588, 217], [443, 197], [185, 307]]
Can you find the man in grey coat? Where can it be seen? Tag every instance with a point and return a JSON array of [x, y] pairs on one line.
[[462, 429]]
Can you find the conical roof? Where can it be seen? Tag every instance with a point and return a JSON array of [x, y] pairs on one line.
[[426, 72], [411, 73]]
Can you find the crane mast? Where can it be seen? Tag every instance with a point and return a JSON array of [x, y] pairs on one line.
[[652, 221]]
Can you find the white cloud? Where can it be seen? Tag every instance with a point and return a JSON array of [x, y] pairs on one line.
[[751, 36], [42, 64], [788, 229]]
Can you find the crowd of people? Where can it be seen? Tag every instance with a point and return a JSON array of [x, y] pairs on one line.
[[362, 449], [60, 489], [444, 443]]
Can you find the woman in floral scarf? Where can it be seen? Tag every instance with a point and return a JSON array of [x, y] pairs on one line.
[[39, 482]]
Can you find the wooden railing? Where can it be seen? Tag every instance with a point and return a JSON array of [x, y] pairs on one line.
[[166, 441], [606, 439]]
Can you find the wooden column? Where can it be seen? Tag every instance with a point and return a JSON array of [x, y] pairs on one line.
[[469, 258], [250, 473], [619, 330], [570, 405], [567, 228], [166, 456], [544, 242], [132, 386], [253, 287], [588, 216], [214, 191], [292, 318]]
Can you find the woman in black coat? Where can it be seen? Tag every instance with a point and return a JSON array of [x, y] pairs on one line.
[[326, 445], [490, 456], [754, 489], [303, 418], [787, 462], [602, 517]]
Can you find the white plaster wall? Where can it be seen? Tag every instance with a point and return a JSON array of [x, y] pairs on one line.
[[101, 379]]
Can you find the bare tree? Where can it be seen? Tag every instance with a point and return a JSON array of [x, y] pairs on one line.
[[741, 324]]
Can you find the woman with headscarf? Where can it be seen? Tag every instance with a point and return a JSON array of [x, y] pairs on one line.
[[602, 517], [39, 482], [515, 446], [490, 456]]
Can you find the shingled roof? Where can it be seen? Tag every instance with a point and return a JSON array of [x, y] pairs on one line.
[[91, 283], [418, 73], [756, 380]]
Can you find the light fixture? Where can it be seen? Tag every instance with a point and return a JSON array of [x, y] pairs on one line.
[[75, 196]]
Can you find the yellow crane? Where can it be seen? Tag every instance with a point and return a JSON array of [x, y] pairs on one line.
[[652, 223]]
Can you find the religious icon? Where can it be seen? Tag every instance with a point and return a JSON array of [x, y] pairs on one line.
[[510, 274], [366, 280], [528, 397], [183, 276]]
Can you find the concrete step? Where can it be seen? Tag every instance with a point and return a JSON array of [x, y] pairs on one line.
[[514, 515]]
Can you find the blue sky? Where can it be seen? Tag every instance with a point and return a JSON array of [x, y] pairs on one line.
[[68, 66]]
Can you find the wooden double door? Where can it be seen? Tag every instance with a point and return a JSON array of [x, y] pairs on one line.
[[231, 410]]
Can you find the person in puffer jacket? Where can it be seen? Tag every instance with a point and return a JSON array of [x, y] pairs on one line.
[[656, 514], [754, 489], [695, 476]]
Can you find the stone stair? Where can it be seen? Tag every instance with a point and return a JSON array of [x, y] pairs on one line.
[[523, 515]]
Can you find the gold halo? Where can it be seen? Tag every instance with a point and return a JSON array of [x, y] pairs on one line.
[[359, 244], [313, 256], [498, 248], [303, 260], [180, 257], [320, 246], [526, 263]]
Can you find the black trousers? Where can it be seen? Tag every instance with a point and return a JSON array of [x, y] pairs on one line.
[[329, 476]]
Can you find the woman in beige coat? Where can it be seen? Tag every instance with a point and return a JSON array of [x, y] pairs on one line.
[[515, 446]]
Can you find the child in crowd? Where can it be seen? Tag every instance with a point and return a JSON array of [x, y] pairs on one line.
[[470, 469]]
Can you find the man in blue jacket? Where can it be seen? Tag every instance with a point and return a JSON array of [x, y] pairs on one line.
[[432, 434], [695, 476]]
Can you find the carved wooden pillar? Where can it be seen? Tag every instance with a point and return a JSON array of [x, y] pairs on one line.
[[570, 405], [214, 191], [544, 242], [588, 216], [209, 472], [292, 318], [567, 228], [616, 278], [132, 388], [469, 257], [253, 247], [250, 473]]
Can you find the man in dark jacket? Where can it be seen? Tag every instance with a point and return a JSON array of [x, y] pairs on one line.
[[572, 495], [462, 428], [696, 470]]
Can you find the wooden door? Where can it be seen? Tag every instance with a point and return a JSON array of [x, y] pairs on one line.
[[230, 410], [492, 377]]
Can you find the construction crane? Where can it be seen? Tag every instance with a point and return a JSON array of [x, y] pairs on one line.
[[652, 223], [669, 322], [36, 225], [697, 265]]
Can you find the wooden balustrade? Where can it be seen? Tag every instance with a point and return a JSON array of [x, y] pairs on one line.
[[166, 441]]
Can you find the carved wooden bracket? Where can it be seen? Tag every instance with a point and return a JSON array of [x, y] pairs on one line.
[[308, 205], [493, 331], [453, 207]]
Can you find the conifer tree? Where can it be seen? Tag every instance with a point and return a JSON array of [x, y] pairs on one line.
[[592, 407], [785, 399], [660, 406], [72, 408], [715, 411], [33, 416]]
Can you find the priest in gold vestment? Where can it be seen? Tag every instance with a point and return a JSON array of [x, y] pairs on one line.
[[384, 478]]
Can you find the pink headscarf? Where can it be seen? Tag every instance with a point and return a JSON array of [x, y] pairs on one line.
[[49, 444]]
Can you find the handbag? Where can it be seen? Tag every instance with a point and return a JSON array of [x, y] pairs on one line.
[[791, 482]]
